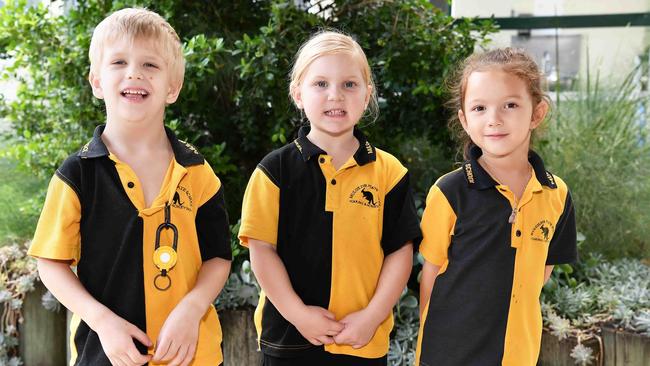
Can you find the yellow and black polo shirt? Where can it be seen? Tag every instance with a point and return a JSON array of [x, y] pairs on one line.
[[94, 216], [484, 307], [332, 229]]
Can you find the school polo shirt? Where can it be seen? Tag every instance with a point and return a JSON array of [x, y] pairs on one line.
[[484, 308], [331, 229], [94, 215]]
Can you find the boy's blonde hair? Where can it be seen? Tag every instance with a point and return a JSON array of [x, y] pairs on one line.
[[330, 42], [138, 23]]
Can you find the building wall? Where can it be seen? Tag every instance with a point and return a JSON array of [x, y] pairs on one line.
[[611, 50]]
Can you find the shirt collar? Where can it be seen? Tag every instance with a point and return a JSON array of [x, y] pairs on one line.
[[365, 154], [478, 178], [184, 153]]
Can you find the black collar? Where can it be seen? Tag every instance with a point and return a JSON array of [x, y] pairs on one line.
[[365, 153], [184, 153], [478, 178]]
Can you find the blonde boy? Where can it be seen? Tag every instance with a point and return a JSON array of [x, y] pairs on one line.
[[138, 212]]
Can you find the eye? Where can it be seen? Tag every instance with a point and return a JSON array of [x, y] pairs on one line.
[[511, 105], [118, 62], [149, 64], [350, 84], [321, 84], [478, 108]]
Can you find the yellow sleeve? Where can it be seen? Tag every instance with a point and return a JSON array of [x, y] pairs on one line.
[[58, 234], [438, 221], [260, 210]]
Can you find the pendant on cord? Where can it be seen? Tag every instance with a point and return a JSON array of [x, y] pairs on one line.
[[164, 256]]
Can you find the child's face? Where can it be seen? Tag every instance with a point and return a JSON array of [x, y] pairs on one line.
[[134, 81], [499, 113], [333, 94]]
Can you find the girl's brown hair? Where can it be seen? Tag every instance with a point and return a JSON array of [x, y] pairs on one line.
[[510, 60]]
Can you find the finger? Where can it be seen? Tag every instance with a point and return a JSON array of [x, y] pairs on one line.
[[114, 361], [180, 356], [141, 336], [162, 348], [328, 314], [356, 346], [315, 342], [325, 339], [172, 351], [136, 357], [120, 361], [190, 355], [335, 326], [332, 332]]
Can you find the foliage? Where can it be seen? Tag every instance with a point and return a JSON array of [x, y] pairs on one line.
[[234, 106], [19, 202], [615, 293], [404, 335], [17, 276], [597, 143]]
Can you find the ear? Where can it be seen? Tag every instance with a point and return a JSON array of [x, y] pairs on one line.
[[172, 94], [368, 94], [462, 119], [539, 113], [95, 84], [297, 97]]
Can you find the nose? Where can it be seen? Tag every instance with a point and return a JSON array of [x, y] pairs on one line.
[[494, 119], [334, 94], [133, 72]]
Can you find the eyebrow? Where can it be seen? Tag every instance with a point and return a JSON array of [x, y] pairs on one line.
[[325, 77]]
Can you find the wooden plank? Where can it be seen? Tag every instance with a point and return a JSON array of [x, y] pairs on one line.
[[239, 338], [558, 353], [625, 349], [42, 334]]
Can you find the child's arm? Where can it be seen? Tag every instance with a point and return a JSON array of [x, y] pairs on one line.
[[179, 334], [360, 326], [548, 270], [316, 324], [427, 280], [115, 334]]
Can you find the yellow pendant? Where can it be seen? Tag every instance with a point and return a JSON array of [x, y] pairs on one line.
[[165, 258]]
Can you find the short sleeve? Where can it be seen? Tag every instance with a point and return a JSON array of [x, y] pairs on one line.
[[58, 234], [438, 221], [563, 246], [400, 221], [212, 228], [260, 209]]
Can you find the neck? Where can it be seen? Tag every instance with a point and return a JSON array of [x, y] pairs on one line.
[[333, 144], [128, 136]]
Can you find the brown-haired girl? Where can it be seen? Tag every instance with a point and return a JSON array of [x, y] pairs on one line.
[[494, 228]]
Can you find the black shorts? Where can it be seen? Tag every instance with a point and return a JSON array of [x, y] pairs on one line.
[[319, 357]]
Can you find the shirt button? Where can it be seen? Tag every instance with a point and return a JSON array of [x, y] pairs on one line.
[[130, 184], [518, 233], [333, 181], [322, 160]]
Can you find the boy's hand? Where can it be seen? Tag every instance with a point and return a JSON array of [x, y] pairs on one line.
[[317, 325], [359, 329], [176, 342], [116, 336]]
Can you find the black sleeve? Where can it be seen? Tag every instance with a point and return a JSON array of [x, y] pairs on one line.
[[212, 228], [562, 248], [401, 223]]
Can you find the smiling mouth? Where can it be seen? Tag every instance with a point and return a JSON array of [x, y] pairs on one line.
[[335, 113], [134, 94]]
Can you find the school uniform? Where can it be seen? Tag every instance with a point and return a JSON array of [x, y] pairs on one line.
[[95, 216], [484, 307], [332, 230]]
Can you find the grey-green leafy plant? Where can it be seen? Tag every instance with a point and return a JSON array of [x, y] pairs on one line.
[[405, 332], [613, 293]]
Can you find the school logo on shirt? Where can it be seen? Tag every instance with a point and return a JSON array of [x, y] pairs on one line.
[[543, 231], [182, 199], [366, 195]]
